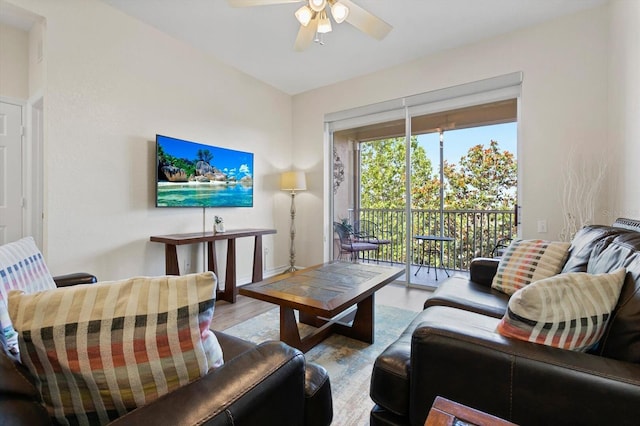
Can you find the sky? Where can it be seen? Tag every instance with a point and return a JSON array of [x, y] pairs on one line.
[[457, 142], [222, 158]]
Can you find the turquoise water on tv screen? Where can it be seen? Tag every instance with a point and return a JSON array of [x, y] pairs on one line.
[[204, 194]]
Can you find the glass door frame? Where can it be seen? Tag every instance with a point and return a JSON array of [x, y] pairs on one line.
[[476, 93]]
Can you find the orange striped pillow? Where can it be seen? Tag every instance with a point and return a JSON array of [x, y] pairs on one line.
[[568, 311], [526, 261], [100, 350]]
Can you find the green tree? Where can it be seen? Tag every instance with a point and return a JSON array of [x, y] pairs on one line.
[[383, 175], [204, 155], [484, 179]]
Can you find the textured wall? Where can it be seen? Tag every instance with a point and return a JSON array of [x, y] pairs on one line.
[[564, 94], [14, 62], [624, 108], [111, 83]]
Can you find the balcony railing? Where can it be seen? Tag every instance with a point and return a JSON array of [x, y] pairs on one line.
[[475, 233]]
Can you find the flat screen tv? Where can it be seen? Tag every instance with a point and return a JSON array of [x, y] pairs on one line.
[[190, 174]]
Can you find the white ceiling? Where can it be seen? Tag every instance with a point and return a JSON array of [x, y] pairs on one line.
[[259, 40]]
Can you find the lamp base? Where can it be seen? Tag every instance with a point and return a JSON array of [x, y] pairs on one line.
[[290, 269]]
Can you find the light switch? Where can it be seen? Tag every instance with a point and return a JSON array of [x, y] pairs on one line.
[[542, 226]]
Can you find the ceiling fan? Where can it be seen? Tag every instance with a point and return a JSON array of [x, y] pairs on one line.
[[314, 20]]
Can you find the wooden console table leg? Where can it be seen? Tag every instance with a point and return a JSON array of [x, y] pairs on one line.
[[212, 260], [230, 290], [171, 260], [212, 265], [257, 259]]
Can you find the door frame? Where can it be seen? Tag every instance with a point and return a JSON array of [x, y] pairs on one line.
[[508, 86], [32, 169]]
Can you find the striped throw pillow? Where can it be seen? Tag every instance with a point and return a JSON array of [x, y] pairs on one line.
[[22, 267], [100, 350], [568, 311], [526, 261]]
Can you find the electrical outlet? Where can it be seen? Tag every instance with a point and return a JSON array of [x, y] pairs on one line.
[[186, 266], [542, 226]]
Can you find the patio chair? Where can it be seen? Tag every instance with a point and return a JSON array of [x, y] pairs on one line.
[[368, 232], [500, 247], [349, 244]]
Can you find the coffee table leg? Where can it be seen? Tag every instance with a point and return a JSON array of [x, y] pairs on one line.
[[290, 334], [311, 320], [362, 326]]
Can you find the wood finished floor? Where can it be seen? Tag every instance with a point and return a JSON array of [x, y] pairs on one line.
[[397, 295]]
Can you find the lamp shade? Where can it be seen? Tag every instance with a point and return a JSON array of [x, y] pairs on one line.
[[317, 5], [293, 181], [339, 12], [324, 24], [304, 15]]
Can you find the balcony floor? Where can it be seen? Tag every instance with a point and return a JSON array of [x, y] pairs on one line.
[[423, 278]]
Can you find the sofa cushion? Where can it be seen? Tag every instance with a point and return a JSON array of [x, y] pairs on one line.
[[22, 267], [100, 350], [462, 293], [526, 261], [582, 245], [390, 376], [567, 311], [621, 339]]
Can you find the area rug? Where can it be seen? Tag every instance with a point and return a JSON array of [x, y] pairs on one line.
[[348, 361]]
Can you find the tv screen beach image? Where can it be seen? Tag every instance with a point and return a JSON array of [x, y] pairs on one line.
[[191, 174]]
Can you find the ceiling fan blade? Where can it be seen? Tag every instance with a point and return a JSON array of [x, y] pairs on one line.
[[249, 3], [306, 35], [366, 22]]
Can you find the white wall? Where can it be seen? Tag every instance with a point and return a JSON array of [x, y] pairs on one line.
[[624, 107], [564, 103], [14, 78], [36, 59], [112, 83]]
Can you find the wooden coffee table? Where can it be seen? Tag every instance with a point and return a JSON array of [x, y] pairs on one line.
[[321, 294]]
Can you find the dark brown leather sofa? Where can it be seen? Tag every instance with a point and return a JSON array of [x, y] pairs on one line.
[[266, 384], [452, 349]]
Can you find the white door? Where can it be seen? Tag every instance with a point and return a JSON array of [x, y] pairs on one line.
[[10, 172]]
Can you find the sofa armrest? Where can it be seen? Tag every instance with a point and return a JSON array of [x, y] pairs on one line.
[[75, 278], [264, 384], [483, 269], [520, 381]]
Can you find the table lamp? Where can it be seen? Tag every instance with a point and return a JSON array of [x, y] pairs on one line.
[[293, 181]]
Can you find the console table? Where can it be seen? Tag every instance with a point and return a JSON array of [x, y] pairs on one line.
[[230, 291]]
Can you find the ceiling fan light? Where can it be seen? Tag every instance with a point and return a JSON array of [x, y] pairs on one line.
[[317, 5], [339, 11], [324, 24], [304, 15]]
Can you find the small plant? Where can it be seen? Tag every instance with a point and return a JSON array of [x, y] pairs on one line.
[[218, 220], [346, 224]]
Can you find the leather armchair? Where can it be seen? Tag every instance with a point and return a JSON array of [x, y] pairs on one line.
[[266, 384]]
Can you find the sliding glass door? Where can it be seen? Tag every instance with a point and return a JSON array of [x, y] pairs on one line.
[[432, 187]]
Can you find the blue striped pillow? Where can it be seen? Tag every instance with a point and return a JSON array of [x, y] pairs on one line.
[[22, 267]]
